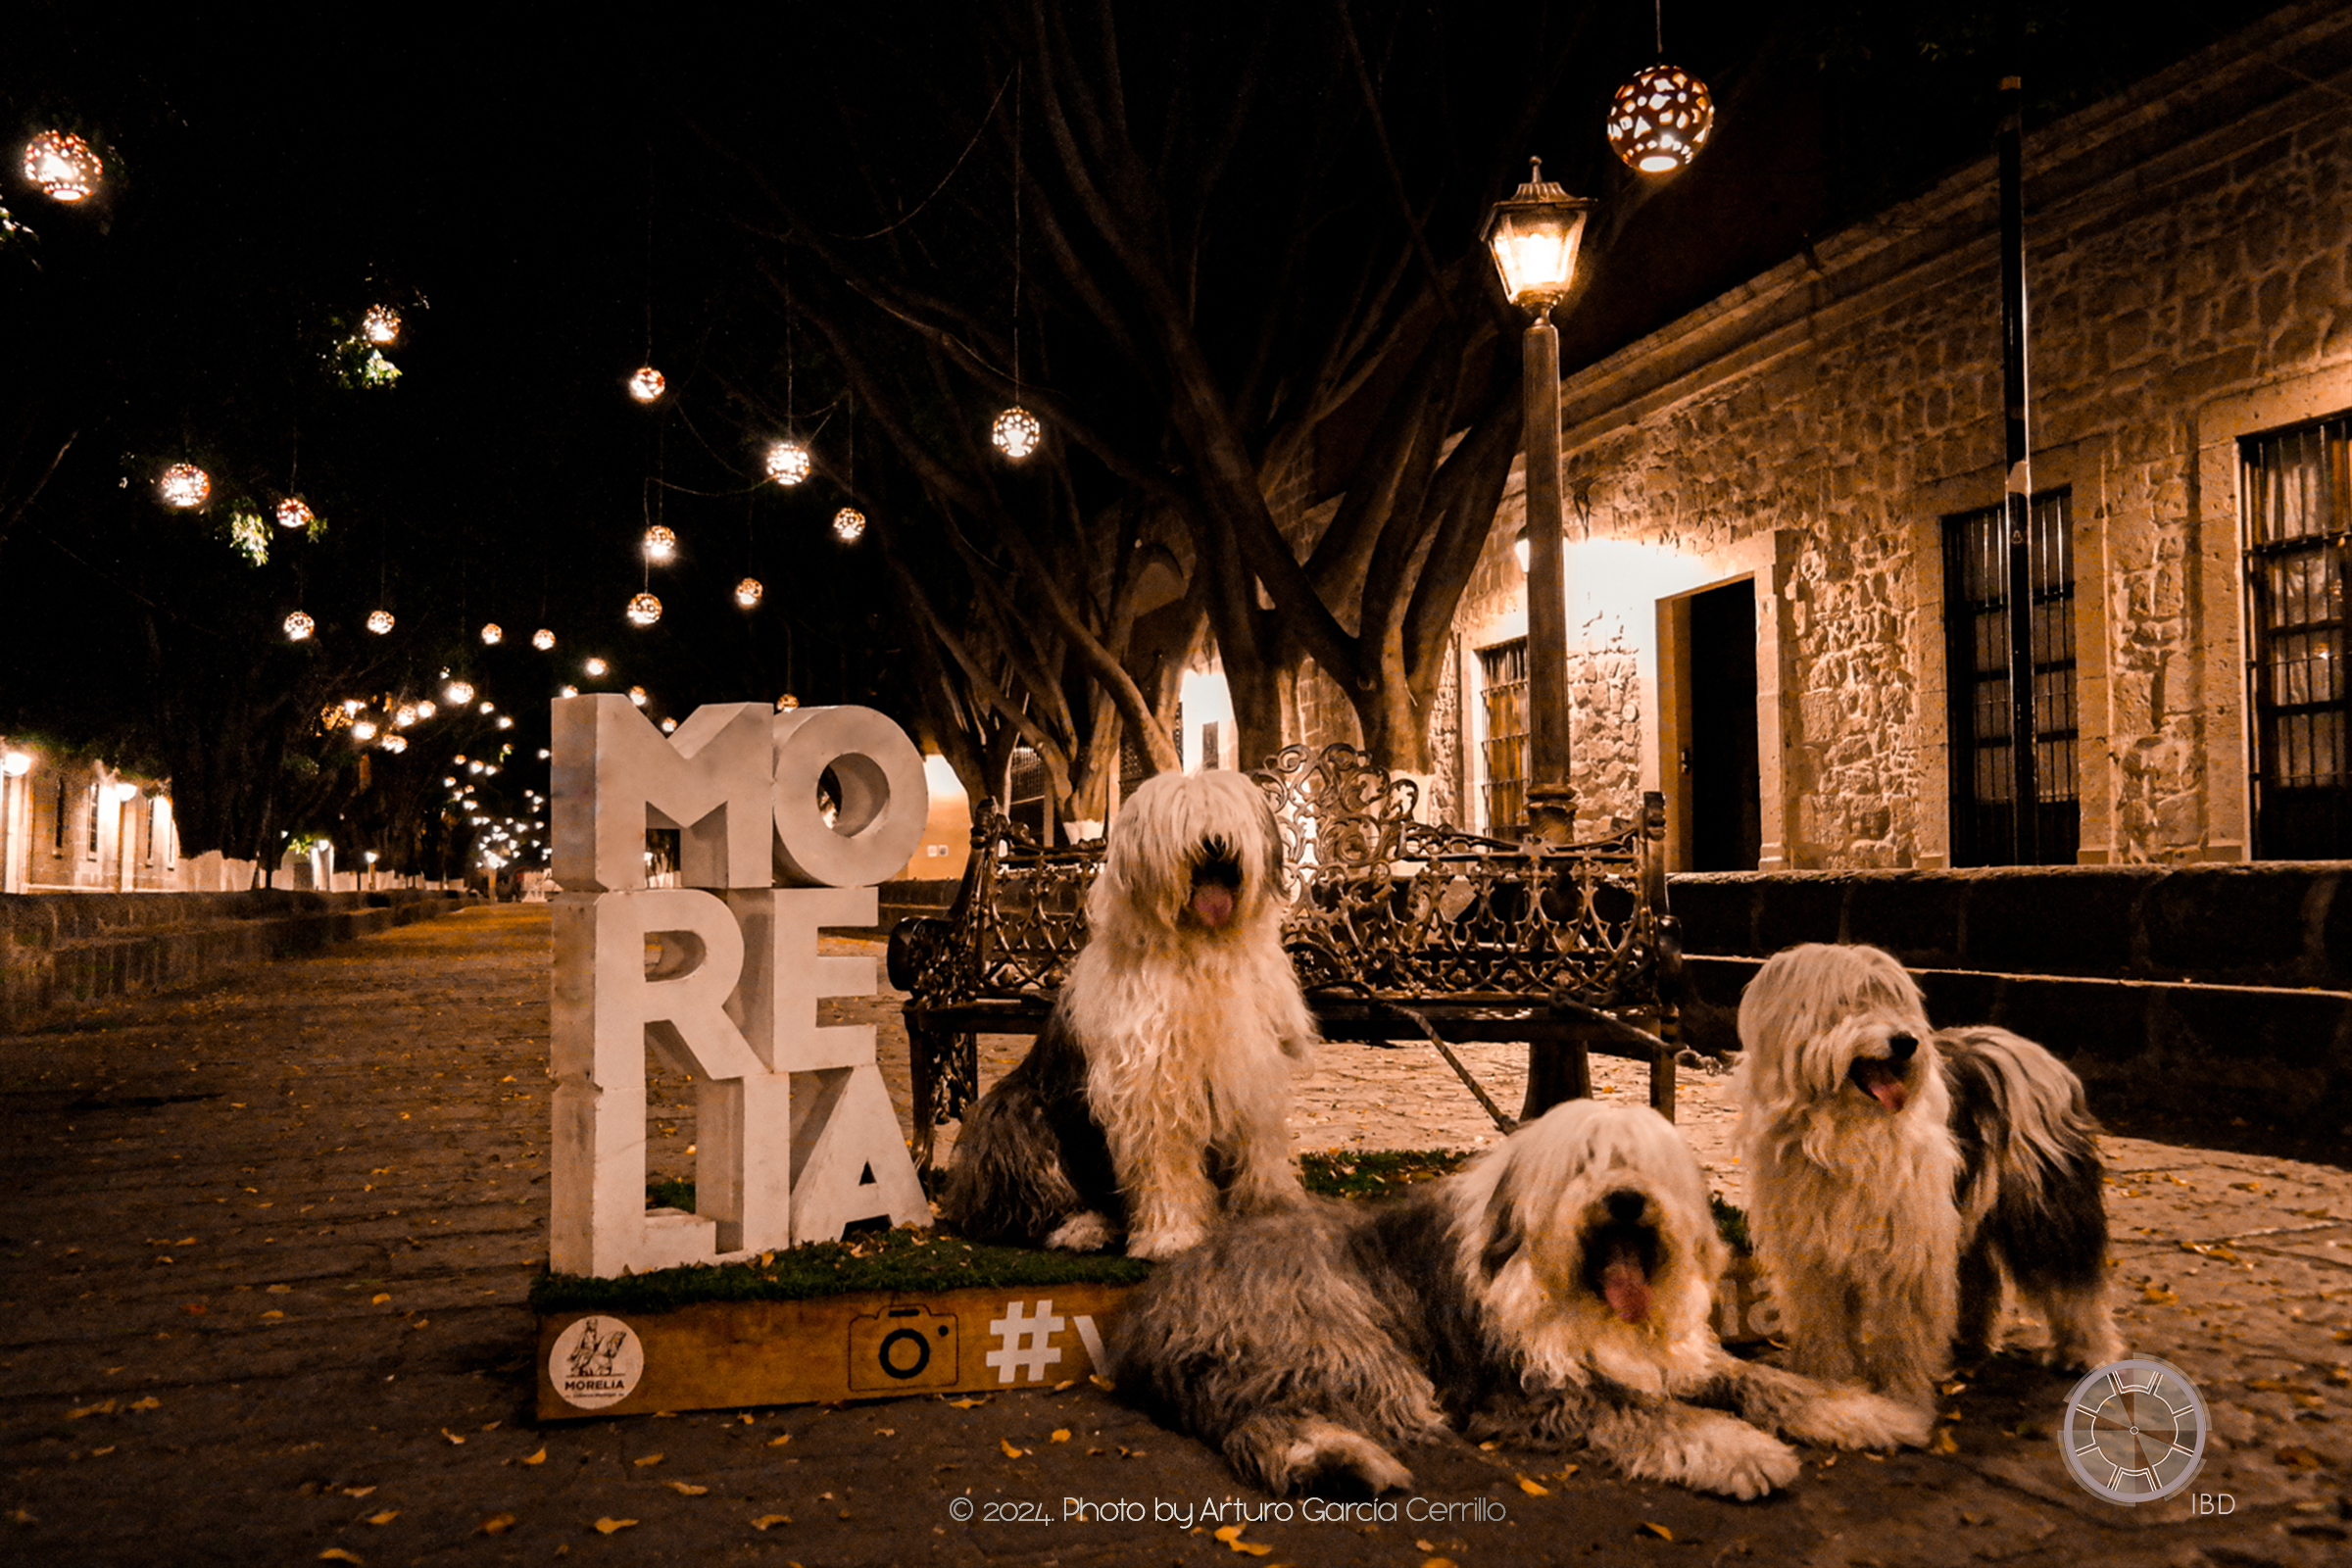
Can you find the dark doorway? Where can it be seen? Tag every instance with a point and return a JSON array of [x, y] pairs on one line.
[[1719, 763]]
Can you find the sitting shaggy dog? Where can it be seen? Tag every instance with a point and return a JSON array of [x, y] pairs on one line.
[[1898, 1171], [1555, 1291], [1163, 1075]]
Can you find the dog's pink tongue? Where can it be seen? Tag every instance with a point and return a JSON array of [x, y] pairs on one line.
[[1212, 904], [1883, 1085], [1627, 1289]]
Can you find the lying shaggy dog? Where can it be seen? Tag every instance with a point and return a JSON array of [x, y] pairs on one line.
[[1163, 1076], [1557, 1291]]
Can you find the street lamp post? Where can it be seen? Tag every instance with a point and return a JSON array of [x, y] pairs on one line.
[[1534, 236]]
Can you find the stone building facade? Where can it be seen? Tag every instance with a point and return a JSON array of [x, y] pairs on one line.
[[1799, 460]]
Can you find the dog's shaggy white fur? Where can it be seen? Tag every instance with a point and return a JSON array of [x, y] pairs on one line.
[[1557, 1291], [1895, 1172], [1164, 1073]]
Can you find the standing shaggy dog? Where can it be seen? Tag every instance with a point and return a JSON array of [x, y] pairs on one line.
[[1164, 1072], [1895, 1172], [1557, 1291]]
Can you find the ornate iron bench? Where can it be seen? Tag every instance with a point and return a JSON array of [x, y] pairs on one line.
[[1397, 927]]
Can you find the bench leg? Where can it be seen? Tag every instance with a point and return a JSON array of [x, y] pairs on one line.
[[1558, 1070]]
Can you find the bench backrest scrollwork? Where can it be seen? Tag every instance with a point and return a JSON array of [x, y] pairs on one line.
[[1382, 904]]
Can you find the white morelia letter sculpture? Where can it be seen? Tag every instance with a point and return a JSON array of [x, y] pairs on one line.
[[795, 1135]]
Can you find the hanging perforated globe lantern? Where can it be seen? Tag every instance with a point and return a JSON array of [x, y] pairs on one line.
[[1017, 433], [63, 166], [1661, 120], [185, 486], [747, 592], [493, 634], [849, 525], [380, 622], [596, 667], [459, 693], [380, 326], [637, 695], [788, 462], [299, 627], [362, 729], [647, 384], [660, 542], [644, 610], [543, 639], [395, 743], [293, 514]]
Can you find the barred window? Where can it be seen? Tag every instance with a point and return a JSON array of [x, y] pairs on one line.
[[1505, 747], [1976, 587], [2293, 491]]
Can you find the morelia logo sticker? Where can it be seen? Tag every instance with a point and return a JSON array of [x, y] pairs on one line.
[[596, 1362]]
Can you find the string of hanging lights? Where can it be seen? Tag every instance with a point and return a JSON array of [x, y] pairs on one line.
[[660, 542]]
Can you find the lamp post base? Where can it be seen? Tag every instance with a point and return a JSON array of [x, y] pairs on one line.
[[1551, 814]]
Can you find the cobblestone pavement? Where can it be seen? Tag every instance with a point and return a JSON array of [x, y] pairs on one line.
[[263, 1248]]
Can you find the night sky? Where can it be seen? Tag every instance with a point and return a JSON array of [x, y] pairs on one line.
[[529, 202]]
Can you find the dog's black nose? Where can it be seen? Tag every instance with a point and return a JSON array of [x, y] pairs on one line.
[[1625, 1206], [1900, 1047]]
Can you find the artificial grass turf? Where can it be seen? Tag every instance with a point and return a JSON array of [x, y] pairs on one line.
[[911, 1259]]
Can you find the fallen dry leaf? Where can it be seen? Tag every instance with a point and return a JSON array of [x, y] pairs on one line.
[[379, 1299], [151, 1403], [100, 1453], [778, 1443], [1061, 1435], [1657, 1529], [274, 1290], [24, 1516], [498, 1524], [1010, 1452], [1231, 1534], [1065, 1385], [451, 1436], [1534, 1488], [2297, 1458], [769, 1520], [384, 1518], [272, 1313], [101, 1408], [194, 1308], [1437, 1563], [968, 1404], [605, 1527], [685, 1489], [537, 1458], [1941, 1443], [885, 1432], [2157, 1295], [651, 1458], [338, 1555], [358, 1492]]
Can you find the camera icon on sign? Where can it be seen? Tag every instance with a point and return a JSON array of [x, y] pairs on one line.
[[902, 1347]]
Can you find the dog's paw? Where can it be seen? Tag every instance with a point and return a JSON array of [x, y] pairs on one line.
[[1739, 1461], [1089, 1232], [1166, 1240], [1330, 1459], [1855, 1418]]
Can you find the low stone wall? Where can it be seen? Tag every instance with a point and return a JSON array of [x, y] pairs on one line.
[[62, 952], [2280, 923], [2212, 990]]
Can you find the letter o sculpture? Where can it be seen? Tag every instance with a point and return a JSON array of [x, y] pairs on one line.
[[884, 799]]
